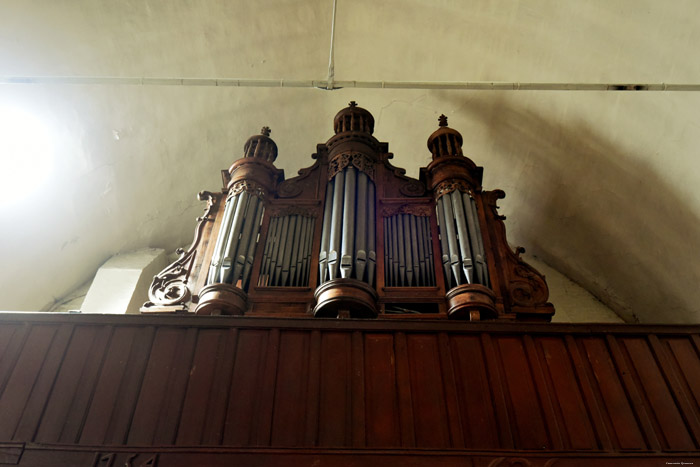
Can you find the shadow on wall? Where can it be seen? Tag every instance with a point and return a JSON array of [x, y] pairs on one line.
[[587, 208]]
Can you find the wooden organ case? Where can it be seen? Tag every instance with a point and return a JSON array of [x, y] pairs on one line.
[[353, 237]]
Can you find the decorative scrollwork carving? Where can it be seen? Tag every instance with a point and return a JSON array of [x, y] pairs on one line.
[[528, 287], [420, 210], [249, 187], [360, 161], [169, 287], [289, 188], [491, 198], [412, 188], [281, 211], [448, 186]]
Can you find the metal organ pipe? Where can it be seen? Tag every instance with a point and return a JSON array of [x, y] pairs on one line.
[[371, 233], [462, 235], [458, 208], [349, 208], [407, 256], [348, 238], [234, 250], [325, 234], [336, 224]]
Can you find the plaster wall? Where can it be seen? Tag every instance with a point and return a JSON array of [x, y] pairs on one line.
[[601, 185]]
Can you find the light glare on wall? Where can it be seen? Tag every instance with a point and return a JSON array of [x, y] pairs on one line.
[[26, 154]]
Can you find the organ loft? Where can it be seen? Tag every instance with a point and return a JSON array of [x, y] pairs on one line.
[[350, 315], [353, 237]]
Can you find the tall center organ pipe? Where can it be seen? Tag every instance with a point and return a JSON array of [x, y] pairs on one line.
[[348, 238], [463, 255], [235, 246]]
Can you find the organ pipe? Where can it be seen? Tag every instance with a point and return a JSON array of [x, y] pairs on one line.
[[460, 236], [407, 261], [348, 238]]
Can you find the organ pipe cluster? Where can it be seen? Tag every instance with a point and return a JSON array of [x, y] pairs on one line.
[[286, 258], [408, 251], [460, 240], [348, 239], [235, 246]]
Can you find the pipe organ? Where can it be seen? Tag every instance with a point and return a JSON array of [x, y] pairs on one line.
[[353, 237]]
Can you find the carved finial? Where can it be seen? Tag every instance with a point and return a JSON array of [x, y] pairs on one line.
[[442, 120], [265, 131], [352, 104]]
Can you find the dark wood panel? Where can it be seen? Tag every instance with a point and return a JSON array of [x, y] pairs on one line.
[[475, 401], [528, 421], [335, 399], [669, 424], [290, 389], [116, 390], [243, 405], [331, 386], [618, 412], [427, 392], [158, 407], [39, 393], [22, 379], [208, 353], [380, 391], [572, 414]]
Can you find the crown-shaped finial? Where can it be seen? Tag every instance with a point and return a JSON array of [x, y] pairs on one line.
[[442, 120], [265, 131], [352, 104]]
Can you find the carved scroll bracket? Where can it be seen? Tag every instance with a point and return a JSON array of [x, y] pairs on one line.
[[358, 160], [169, 287], [420, 210]]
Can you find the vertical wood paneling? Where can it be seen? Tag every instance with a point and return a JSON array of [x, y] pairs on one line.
[[39, 394], [290, 391], [81, 396], [473, 393], [158, 407], [314, 389], [593, 400], [267, 390], [670, 425], [687, 362], [574, 418], [381, 391], [218, 403], [11, 341], [244, 395], [527, 410], [633, 392], [450, 396], [209, 355], [545, 392], [673, 378], [357, 394], [347, 388], [23, 376], [117, 388], [427, 391], [403, 384], [493, 364], [335, 419], [66, 384], [617, 407]]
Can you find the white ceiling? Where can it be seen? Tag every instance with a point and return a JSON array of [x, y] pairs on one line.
[[601, 185]]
